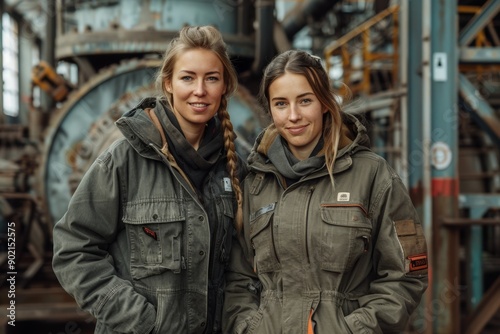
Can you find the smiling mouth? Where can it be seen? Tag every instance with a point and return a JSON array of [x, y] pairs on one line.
[[199, 105], [297, 130]]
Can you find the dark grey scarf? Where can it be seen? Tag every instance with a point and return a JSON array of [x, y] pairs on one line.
[[288, 165], [195, 163]]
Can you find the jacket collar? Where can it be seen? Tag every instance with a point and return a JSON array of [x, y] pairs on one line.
[[353, 138], [138, 129]]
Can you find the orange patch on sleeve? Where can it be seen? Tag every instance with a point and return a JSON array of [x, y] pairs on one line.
[[418, 262]]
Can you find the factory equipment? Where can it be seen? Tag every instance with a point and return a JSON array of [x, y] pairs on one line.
[[113, 49]]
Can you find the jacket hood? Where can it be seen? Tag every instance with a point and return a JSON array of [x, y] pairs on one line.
[[138, 129], [353, 137], [153, 131]]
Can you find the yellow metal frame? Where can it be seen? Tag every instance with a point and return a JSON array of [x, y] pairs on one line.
[[341, 45], [481, 41]]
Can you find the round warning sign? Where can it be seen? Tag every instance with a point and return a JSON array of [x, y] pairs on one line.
[[440, 155]]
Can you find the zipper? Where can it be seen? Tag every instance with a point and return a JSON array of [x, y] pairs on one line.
[[274, 242], [309, 195], [214, 244], [273, 237]]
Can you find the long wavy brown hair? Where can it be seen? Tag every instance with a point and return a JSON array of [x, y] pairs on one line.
[[302, 63]]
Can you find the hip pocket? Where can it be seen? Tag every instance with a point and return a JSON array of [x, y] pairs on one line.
[[170, 316]]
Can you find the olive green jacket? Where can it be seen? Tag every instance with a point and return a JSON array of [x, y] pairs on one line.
[[135, 247], [351, 259]]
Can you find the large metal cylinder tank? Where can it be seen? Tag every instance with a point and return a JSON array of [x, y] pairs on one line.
[[117, 29]]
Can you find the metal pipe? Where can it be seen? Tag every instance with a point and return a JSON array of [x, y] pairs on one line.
[[297, 17], [2, 116], [444, 158], [480, 110], [470, 222], [475, 256], [244, 25], [479, 21], [403, 77], [48, 50], [426, 164], [264, 44]]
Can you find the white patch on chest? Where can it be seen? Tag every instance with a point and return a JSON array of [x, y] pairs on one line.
[[343, 197], [227, 184]]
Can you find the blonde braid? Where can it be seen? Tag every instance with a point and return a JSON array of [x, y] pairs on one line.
[[208, 38], [232, 160]]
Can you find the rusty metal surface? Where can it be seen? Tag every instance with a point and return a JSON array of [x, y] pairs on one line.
[[138, 27], [72, 121], [84, 126], [148, 30], [487, 308]]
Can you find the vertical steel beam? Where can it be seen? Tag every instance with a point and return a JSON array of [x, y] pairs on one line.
[[426, 138], [400, 38], [48, 49], [478, 205], [415, 137], [475, 259], [2, 10], [415, 108], [444, 157], [264, 43]]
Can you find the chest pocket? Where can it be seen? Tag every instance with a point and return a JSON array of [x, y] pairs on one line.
[[261, 235], [346, 235], [154, 229]]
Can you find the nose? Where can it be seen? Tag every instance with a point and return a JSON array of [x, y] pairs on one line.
[[200, 88], [294, 114]]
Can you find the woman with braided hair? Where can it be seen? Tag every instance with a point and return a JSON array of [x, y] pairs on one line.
[[147, 236]]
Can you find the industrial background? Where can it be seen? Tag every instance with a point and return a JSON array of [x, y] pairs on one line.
[[424, 74]]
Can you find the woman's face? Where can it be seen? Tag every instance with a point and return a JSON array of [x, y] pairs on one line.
[[197, 86], [297, 113]]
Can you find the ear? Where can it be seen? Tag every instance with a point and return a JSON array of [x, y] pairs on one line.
[[168, 86]]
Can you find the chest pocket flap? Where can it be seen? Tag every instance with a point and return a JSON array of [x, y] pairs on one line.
[[149, 211]]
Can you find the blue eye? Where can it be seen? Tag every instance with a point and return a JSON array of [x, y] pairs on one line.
[[186, 78]]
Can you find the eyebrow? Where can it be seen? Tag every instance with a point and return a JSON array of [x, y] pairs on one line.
[[298, 96], [193, 72]]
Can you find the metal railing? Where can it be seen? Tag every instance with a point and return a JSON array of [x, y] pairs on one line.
[[361, 42]]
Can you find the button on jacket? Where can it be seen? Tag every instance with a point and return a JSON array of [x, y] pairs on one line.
[[351, 259], [138, 248]]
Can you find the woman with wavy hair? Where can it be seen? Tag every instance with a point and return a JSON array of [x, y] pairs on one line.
[[331, 242]]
